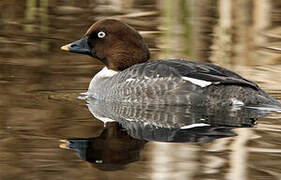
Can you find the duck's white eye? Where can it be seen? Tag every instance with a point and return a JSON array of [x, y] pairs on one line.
[[101, 34]]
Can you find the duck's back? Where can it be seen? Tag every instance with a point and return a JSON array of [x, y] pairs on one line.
[[179, 82]]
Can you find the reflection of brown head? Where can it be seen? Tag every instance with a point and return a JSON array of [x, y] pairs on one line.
[[112, 150]]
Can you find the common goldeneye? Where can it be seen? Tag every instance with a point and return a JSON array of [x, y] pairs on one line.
[[128, 76]]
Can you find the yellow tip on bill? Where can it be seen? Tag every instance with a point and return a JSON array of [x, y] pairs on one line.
[[65, 48], [64, 144]]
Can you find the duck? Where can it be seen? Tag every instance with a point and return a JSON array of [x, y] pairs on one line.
[[129, 76]]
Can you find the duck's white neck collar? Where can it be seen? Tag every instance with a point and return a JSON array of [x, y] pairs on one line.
[[105, 72], [101, 76]]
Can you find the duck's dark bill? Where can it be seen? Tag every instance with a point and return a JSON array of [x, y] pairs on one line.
[[81, 46]]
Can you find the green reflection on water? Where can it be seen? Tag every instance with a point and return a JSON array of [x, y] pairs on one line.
[[30, 14], [44, 24]]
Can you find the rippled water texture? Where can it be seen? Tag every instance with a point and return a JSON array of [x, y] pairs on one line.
[[46, 132]]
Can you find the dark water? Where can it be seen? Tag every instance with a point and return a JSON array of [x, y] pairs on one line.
[[48, 133]]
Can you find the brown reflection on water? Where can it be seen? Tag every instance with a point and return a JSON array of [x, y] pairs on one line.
[[39, 84], [110, 150]]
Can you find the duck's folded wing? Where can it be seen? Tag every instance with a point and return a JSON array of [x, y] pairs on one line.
[[199, 73]]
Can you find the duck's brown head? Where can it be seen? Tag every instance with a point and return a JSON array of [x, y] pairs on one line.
[[116, 44]]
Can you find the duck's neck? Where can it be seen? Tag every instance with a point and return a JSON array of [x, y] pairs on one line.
[[101, 76], [105, 73]]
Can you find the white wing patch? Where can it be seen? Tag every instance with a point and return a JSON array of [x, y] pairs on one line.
[[195, 125], [130, 120], [236, 102], [197, 82]]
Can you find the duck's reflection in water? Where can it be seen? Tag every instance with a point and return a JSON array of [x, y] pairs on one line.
[[127, 128], [112, 150]]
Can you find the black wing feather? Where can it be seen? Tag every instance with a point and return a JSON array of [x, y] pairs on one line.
[[181, 68]]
